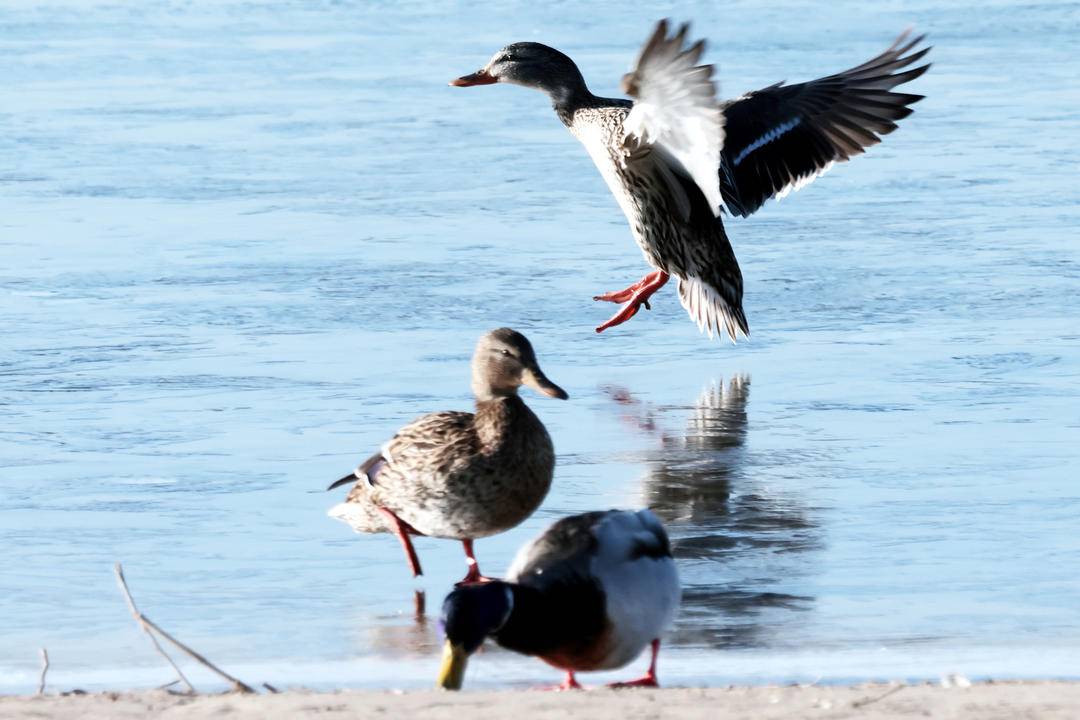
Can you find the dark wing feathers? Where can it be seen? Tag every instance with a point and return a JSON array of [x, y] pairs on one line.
[[565, 552], [367, 471], [350, 478], [783, 136], [559, 605], [652, 541], [565, 549]]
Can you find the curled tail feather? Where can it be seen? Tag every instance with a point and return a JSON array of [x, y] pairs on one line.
[[359, 511]]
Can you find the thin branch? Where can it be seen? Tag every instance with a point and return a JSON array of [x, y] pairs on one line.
[[44, 670], [271, 688], [147, 625], [869, 701], [119, 570], [238, 685]]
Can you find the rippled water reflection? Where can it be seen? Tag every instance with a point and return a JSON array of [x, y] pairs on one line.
[[693, 482]]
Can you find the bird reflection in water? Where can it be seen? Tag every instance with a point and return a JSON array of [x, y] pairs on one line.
[[741, 547], [404, 635]]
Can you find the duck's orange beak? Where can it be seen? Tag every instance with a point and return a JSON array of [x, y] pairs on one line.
[[480, 77]]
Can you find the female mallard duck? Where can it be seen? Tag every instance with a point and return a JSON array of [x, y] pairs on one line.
[[662, 155], [461, 475], [590, 593]]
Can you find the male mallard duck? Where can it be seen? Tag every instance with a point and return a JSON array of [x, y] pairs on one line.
[[588, 594], [461, 475], [675, 154]]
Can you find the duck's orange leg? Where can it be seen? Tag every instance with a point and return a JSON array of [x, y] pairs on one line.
[[649, 679], [621, 296], [403, 529], [473, 575], [634, 296], [569, 683]]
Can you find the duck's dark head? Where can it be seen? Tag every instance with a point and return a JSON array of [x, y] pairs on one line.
[[469, 615], [504, 361], [531, 65]]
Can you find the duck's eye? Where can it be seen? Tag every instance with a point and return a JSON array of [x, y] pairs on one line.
[[508, 58], [506, 352]]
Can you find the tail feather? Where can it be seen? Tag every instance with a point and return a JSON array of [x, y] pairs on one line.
[[714, 310], [350, 478], [366, 472], [359, 510], [359, 513]]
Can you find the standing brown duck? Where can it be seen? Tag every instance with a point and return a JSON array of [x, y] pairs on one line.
[[461, 475], [676, 154]]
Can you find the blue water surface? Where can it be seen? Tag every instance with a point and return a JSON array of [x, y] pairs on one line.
[[243, 242]]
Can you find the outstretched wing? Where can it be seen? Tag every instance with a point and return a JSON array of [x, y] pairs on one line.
[[675, 109], [783, 136]]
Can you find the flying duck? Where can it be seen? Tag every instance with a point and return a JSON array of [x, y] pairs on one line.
[[675, 155], [461, 475], [590, 593]]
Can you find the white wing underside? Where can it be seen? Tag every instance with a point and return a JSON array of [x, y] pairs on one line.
[[676, 111], [803, 181]]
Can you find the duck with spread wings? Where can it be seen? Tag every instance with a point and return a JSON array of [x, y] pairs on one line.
[[675, 155]]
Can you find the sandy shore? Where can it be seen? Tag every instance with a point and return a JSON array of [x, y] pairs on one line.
[[984, 701]]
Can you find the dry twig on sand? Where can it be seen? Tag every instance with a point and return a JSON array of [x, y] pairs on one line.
[[870, 701], [44, 670], [139, 618], [150, 627]]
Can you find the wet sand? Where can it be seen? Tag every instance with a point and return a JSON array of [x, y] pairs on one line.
[[985, 701]]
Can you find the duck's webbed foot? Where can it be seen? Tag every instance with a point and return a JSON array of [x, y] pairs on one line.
[[472, 576], [621, 296], [644, 681], [635, 296], [569, 683], [649, 678]]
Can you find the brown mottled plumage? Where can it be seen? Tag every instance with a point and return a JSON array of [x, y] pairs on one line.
[[462, 475]]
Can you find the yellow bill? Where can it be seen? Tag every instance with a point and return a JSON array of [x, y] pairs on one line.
[[452, 671]]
